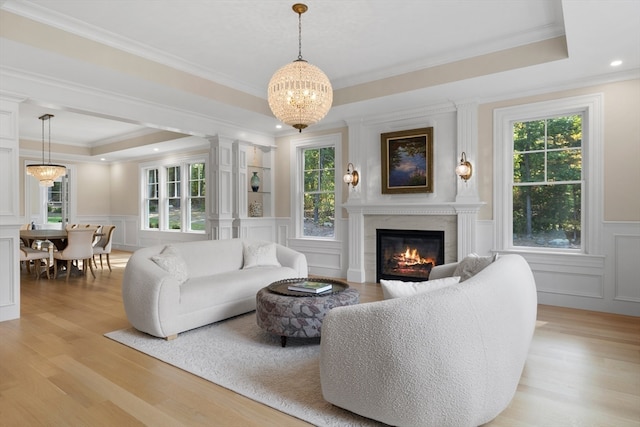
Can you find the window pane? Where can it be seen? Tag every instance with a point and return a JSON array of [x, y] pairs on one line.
[[529, 136], [175, 214], [311, 180], [564, 132], [152, 210], [565, 165], [54, 203], [547, 216], [198, 216], [528, 167], [319, 215]]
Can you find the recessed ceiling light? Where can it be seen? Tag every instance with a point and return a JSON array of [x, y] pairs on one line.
[[102, 159], [278, 126], [616, 63], [156, 149]]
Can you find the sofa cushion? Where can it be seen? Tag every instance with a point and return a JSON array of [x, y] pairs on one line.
[[472, 264], [398, 289], [200, 293], [171, 261], [259, 254], [209, 257]]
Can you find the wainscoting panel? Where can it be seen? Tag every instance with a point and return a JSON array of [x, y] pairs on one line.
[[324, 258], [574, 283], [606, 282], [627, 268], [9, 264]]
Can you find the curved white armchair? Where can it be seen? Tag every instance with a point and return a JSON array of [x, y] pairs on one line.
[[450, 357]]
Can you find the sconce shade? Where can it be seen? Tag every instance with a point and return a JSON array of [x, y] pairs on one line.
[[351, 177], [46, 173], [299, 94], [464, 170]]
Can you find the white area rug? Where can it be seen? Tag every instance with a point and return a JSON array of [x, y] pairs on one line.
[[238, 355]]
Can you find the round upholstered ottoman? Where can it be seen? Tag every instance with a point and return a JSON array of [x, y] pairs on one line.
[[297, 314]]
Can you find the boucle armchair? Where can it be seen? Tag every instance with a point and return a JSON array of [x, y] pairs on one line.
[[450, 357]]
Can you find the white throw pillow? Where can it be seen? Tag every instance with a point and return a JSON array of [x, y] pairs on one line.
[[261, 254], [171, 261], [472, 264], [399, 289]]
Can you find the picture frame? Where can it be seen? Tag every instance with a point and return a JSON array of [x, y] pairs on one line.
[[407, 161]]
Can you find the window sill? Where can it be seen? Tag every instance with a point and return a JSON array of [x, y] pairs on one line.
[[551, 257]]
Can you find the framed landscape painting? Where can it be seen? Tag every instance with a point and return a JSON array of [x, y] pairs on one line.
[[407, 161]]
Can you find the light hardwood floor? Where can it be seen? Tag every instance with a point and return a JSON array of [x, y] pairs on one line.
[[57, 369]]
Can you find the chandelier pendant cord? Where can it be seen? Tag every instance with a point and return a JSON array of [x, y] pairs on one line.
[[300, 36], [49, 121], [43, 144]]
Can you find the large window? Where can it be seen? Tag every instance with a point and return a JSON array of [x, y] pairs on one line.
[[174, 196], [316, 192], [319, 209], [548, 181]]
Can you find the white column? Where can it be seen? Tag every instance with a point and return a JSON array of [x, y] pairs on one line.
[[220, 188], [9, 210], [466, 231], [355, 272], [467, 129]]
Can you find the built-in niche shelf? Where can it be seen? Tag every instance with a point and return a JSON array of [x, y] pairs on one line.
[[254, 210]]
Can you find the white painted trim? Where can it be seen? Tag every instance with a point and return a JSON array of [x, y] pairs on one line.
[[591, 108], [296, 191]]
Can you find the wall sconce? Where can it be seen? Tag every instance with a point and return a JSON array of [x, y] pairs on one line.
[[464, 169], [351, 177]]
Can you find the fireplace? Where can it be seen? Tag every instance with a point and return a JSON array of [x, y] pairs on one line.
[[408, 254]]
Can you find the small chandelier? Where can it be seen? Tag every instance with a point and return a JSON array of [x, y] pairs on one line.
[[299, 93], [46, 173]]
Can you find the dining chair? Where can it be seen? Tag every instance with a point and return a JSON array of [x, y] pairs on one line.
[[25, 227], [28, 254], [104, 245], [97, 236], [79, 247]]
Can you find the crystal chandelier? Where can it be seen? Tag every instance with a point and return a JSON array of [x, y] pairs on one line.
[[299, 93], [46, 173]]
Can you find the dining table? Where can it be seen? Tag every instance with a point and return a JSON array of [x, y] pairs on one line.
[[56, 236]]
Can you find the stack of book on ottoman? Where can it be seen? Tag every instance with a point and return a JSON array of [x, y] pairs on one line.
[[311, 287]]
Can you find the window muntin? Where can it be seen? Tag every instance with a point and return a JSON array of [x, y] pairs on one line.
[[319, 210], [547, 183]]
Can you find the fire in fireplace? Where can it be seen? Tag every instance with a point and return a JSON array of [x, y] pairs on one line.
[[408, 254]]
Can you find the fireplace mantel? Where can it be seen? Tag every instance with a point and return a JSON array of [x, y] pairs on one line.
[[451, 208], [465, 212]]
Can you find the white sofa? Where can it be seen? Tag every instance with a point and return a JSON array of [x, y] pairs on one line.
[[449, 357], [201, 282]]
